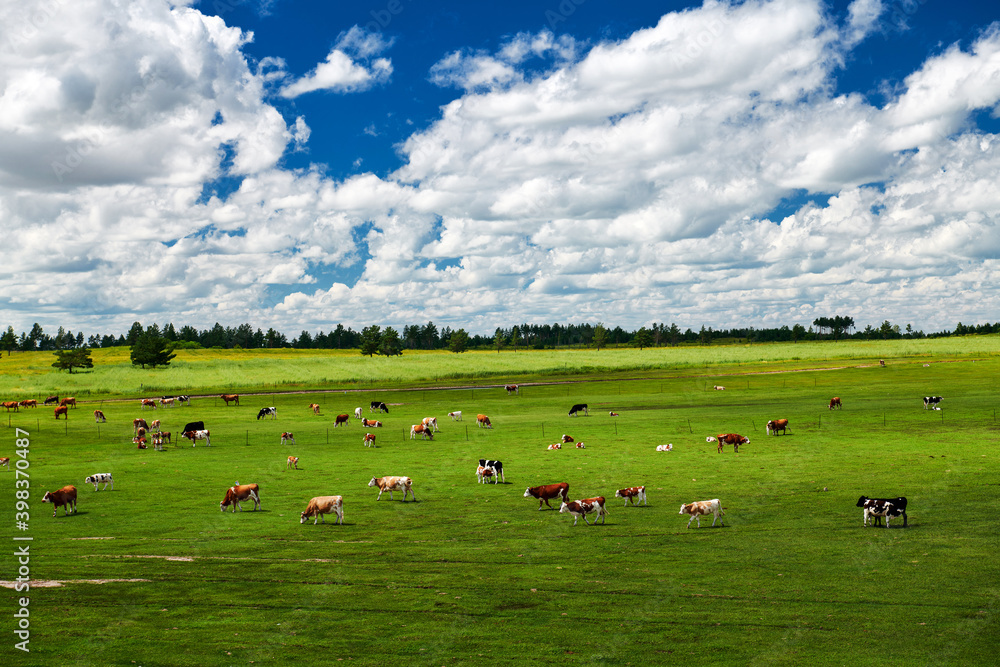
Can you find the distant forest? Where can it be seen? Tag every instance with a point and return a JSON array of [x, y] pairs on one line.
[[429, 337]]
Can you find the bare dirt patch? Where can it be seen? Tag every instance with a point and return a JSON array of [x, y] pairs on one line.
[[55, 583]]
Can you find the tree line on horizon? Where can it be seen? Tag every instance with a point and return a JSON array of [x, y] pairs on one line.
[[387, 341]]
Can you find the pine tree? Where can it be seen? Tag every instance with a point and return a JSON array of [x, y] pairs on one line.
[[75, 358]]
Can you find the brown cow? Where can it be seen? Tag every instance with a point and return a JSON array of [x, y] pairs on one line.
[[230, 398], [11, 405], [734, 439], [369, 440], [69, 400], [547, 492], [422, 430], [29, 403], [62, 410], [286, 437], [293, 462], [321, 505], [139, 423], [835, 403], [777, 425], [314, 407], [99, 416], [147, 403], [482, 421], [238, 493], [64, 497], [341, 420]]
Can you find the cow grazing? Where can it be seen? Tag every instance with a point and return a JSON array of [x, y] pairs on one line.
[[11, 405], [482, 421], [632, 494], [378, 405], [734, 439], [431, 422], [566, 438], [239, 493], [497, 467], [62, 410], [230, 398], [358, 413], [456, 416], [64, 497], [422, 430], [665, 448], [512, 389], [391, 484], [584, 507], [577, 408], [292, 462], [68, 401], [99, 417], [703, 508], [139, 423], [932, 402], [321, 505], [29, 403], [485, 472], [547, 492], [101, 478], [287, 437], [50, 399], [164, 435], [167, 402], [835, 403], [719, 387], [369, 440], [876, 508], [580, 445], [5, 462], [340, 420], [147, 403], [264, 412], [314, 407], [194, 436], [776, 425], [556, 445]]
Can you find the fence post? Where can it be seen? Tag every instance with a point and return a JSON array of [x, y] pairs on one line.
[[466, 431], [689, 425]]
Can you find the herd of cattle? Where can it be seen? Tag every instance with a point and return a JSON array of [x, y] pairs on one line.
[[874, 509]]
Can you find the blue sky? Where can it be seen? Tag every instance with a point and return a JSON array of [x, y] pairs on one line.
[[299, 165]]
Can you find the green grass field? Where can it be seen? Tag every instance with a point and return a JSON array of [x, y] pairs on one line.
[[475, 574]]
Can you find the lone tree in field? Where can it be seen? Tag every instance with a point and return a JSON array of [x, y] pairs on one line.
[[76, 358], [600, 336], [459, 341], [151, 350]]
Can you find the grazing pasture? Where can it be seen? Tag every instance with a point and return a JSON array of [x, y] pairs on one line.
[[791, 578]]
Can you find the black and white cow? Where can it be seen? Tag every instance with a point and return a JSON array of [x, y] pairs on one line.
[[101, 478], [932, 401], [497, 467], [378, 405], [876, 508], [577, 408], [183, 399], [264, 412]]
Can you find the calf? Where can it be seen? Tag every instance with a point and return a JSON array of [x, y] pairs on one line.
[[577, 408], [5, 462], [314, 407], [512, 389], [164, 435], [580, 445], [287, 437], [613, 414], [484, 472], [734, 439], [431, 422], [776, 425], [340, 420], [140, 443], [422, 430], [557, 445], [719, 387], [292, 462], [456, 416], [665, 448], [496, 465], [932, 402], [99, 417], [101, 478], [139, 423], [369, 440], [835, 403], [64, 497], [876, 508], [391, 484], [321, 505], [154, 425], [357, 413], [482, 421], [239, 493], [703, 508], [632, 494], [584, 507], [264, 412], [566, 438], [378, 405], [547, 492]]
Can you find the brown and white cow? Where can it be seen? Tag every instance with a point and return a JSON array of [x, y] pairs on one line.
[[776, 425], [287, 437], [5, 462], [154, 425], [632, 494], [422, 430], [340, 420], [314, 407], [580, 445], [11, 405], [557, 445], [547, 492], [29, 403], [369, 440], [430, 422], [167, 402], [584, 507], [239, 493], [164, 435], [194, 436], [485, 472], [669, 447], [292, 462], [321, 505], [369, 422], [566, 438], [391, 484], [139, 423], [734, 439], [482, 421], [719, 387], [835, 403], [230, 398], [147, 403], [99, 417], [62, 410], [512, 389], [140, 443], [68, 401], [456, 416], [703, 508], [64, 497], [613, 414]]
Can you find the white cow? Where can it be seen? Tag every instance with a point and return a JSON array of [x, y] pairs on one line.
[[456, 416], [357, 413]]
